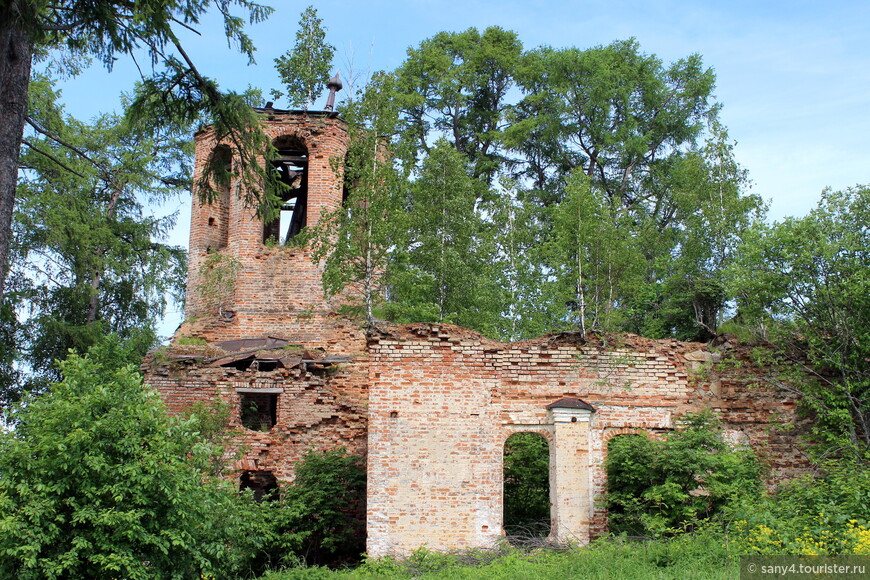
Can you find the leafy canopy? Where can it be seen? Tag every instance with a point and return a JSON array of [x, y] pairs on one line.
[[97, 482], [804, 285], [304, 69]]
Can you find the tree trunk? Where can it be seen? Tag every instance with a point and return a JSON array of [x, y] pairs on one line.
[[16, 50]]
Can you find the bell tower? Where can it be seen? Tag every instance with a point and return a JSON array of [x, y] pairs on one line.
[[247, 277]]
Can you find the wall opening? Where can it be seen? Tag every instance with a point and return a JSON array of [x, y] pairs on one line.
[[629, 475], [526, 508], [262, 483], [291, 166], [220, 171], [259, 411]]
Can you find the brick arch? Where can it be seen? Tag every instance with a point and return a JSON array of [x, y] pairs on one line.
[[291, 162], [217, 218], [545, 430], [610, 432], [290, 140]]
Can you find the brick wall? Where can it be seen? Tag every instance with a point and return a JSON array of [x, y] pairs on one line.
[[318, 408], [429, 405], [443, 400], [276, 286]]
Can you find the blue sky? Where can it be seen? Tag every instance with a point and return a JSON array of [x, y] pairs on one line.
[[793, 77]]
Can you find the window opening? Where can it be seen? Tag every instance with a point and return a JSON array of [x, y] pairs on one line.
[[259, 411], [220, 168], [527, 513], [262, 483], [291, 166]]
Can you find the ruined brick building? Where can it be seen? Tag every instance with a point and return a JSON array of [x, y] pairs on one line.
[[429, 406]]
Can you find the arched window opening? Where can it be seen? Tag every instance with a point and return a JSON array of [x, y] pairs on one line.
[[291, 166], [527, 513], [220, 171], [262, 483]]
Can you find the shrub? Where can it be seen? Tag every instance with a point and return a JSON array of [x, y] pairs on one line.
[[829, 514], [320, 518], [97, 482], [661, 487]]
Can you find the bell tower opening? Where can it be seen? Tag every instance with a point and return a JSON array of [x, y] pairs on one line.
[[291, 166]]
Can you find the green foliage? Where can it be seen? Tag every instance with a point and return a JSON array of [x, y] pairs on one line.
[[88, 257], [614, 267], [612, 111], [97, 482], [104, 30], [526, 485], [814, 515], [804, 285], [522, 307], [592, 198], [319, 518], [304, 70], [445, 273], [661, 487], [590, 260], [703, 555], [357, 239], [211, 423], [11, 344], [454, 86], [218, 274]]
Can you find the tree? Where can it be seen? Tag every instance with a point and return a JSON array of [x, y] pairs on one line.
[[524, 309], [611, 111], [592, 265], [320, 518], [804, 285], [358, 238], [639, 246], [304, 70], [445, 273], [97, 482], [711, 215], [104, 29], [89, 259], [660, 487], [455, 86], [645, 248]]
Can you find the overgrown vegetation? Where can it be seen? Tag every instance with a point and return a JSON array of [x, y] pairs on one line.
[[803, 286], [320, 518], [662, 487], [703, 556], [514, 191], [825, 514], [97, 482]]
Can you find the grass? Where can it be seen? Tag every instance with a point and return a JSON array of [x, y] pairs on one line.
[[702, 556]]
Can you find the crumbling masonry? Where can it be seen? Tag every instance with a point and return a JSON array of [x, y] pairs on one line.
[[429, 406]]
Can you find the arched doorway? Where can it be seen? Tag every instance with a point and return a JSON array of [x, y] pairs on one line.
[[628, 477], [526, 505]]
